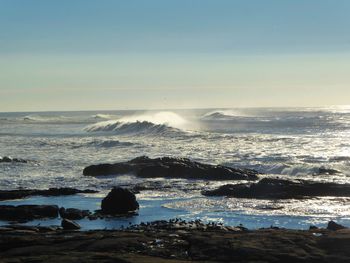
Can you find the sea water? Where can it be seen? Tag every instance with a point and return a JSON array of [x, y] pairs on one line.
[[285, 142]]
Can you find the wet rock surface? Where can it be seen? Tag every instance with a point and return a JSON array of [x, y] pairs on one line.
[[27, 212], [174, 241], [119, 201], [22, 193], [170, 167], [271, 188]]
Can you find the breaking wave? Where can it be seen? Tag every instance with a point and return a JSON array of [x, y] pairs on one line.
[[49, 119], [296, 169], [102, 117], [161, 123], [137, 127], [221, 115], [38, 118]]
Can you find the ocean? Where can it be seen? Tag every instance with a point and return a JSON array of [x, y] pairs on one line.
[[297, 143]]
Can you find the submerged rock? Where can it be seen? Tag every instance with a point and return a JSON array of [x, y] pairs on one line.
[[22, 193], [119, 201], [27, 212], [69, 225], [271, 188], [170, 167]]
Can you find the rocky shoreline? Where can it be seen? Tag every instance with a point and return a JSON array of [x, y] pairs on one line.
[[174, 241]]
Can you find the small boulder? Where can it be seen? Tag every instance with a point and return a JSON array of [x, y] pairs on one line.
[[334, 226], [119, 201], [69, 225]]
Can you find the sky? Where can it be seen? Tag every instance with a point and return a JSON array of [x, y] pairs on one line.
[[167, 54]]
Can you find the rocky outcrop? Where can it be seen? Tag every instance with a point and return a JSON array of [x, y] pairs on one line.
[[334, 226], [69, 225], [27, 212], [272, 188], [8, 159], [22, 193], [119, 201], [170, 167]]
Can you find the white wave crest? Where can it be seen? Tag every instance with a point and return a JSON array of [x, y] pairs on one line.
[[158, 123], [103, 116], [165, 117], [44, 119], [222, 115], [296, 169], [138, 127]]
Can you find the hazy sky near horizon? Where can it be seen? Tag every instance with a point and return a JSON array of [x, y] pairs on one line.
[[110, 54]]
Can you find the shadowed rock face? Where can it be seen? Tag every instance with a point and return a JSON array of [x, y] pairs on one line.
[[270, 188], [16, 194], [169, 167], [27, 212], [119, 201]]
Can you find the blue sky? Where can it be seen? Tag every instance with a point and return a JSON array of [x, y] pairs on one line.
[[75, 55]]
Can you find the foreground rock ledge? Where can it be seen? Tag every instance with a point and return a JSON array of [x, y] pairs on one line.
[[170, 167], [272, 188], [172, 245]]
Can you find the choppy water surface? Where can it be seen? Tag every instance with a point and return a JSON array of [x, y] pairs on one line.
[[279, 142]]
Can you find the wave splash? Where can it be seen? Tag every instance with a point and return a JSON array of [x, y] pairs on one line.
[[161, 123], [223, 115]]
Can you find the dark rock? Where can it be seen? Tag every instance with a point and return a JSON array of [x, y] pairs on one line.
[[27, 212], [73, 213], [171, 245], [119, 201], [169, 167], [327, 171], [69, 225], [21, 193], [271, 188], [334, 226], [8, 159]]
